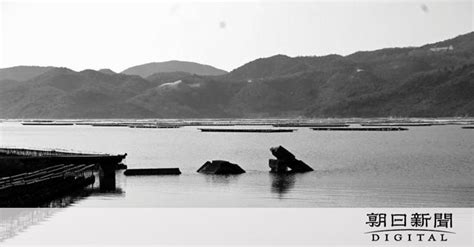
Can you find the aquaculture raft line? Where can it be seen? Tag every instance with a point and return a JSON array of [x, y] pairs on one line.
[[248, 130], [361, 129]]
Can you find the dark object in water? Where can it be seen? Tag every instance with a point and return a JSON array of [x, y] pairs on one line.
[[396, 124], [248, 130], [362, 129], [468, 127], [32, 189], [154, 126], [277, 166], [143, 126], [309, 125], [286, 158], [169, 126], [152, 171], [30, 177], [47, 124], [109, 125], [220, 167], [39, 121], [282, 153], [299, 166], [19, 160], [120, 166]]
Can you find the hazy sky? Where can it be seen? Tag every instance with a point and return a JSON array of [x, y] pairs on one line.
[[120, 34]]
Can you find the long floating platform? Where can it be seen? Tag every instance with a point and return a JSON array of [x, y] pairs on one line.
[[152, 171], [468, 127], [155, 126], [310, 125], [109, 125], [397, 124], [361, 129], [248, 130], [47, 124]]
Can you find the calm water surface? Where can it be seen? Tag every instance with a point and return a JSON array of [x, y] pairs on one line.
[[423, 167]]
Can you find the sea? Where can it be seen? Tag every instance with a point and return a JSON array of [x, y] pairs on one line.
[[427, 168], [424, 166]]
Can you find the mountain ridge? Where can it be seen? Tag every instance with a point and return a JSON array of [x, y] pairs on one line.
[[433, 80], [147, 69]]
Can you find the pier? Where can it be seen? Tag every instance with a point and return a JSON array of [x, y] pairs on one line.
[[30, 177]]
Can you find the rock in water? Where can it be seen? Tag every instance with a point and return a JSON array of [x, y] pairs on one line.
[[220, 167], [286, 159]]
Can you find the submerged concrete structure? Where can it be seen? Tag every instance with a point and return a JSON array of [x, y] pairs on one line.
[[220, 167], [285, 159]]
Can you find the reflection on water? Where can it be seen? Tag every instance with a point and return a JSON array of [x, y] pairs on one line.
[[282, 183], [13, 221], [16, 220], [221, 179]]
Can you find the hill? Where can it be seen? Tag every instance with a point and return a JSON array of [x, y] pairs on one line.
[[63, 93], [148, 69], [22, 73], [107, 71], [434, 80]]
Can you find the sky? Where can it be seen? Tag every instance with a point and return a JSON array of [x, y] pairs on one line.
[[225, 34]]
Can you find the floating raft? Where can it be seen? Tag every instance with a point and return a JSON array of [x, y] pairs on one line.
[[169, 126], [208, 124], [154, 126], [109, 125], [152, 171], [39, 121], [398, 124], [46, 123], [143, 126], [248, 130], [361, 129], [452, 123], [311, 125]]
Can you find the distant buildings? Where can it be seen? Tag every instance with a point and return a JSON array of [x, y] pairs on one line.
[[439, 49]]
